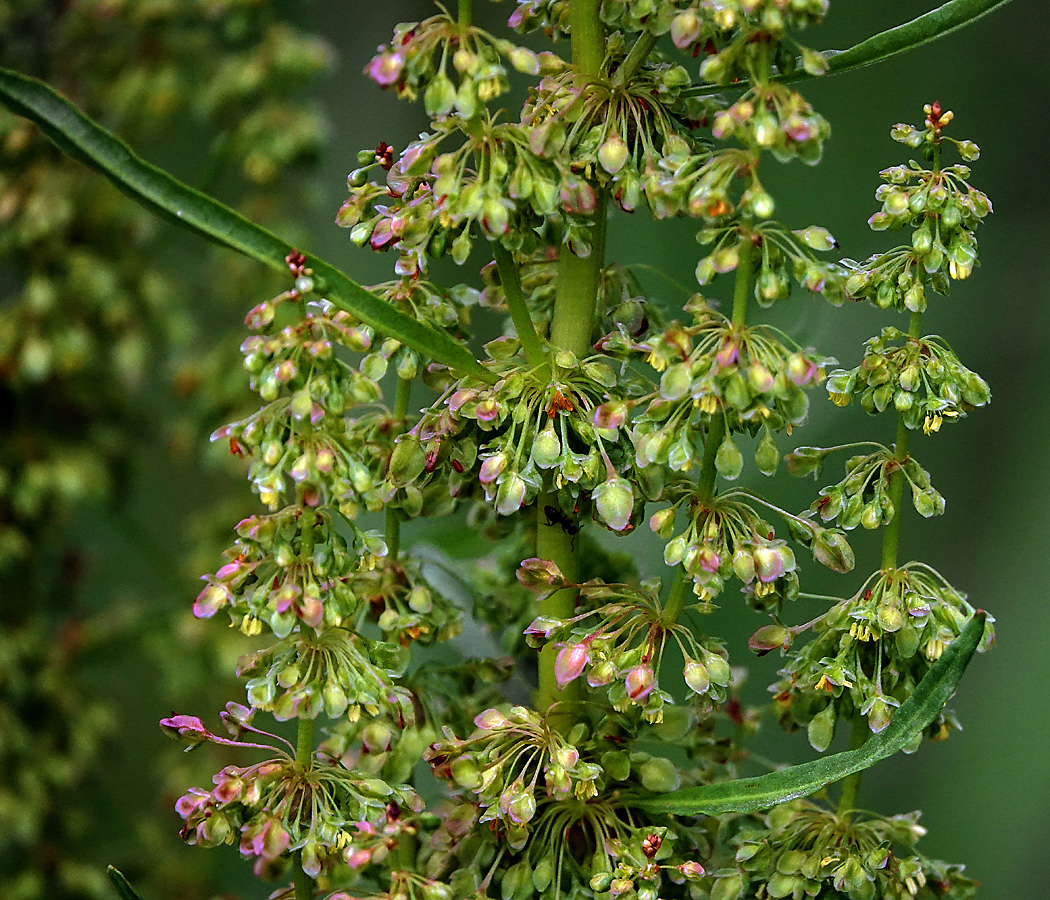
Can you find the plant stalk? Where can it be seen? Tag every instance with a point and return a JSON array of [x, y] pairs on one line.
[[588, 37], [392, 518], [858, 736], [716, 431], [575, 303], [304, 751], [465, 15], [634, 59], [519, 310]]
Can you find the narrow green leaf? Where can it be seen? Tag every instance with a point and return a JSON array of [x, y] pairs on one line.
[[165, 195], [750, 794], [924, 29], [121, 884]]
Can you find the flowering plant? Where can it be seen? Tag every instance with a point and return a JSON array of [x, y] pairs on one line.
[[622, 773]]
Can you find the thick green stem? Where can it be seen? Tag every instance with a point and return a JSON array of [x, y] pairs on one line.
[[851, 783], [891, 536], [392, 521], [304, 751], [575, 305], [633, 61], [519, 310], [588, 36], [466, 13]]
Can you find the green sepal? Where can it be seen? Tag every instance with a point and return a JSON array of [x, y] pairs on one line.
[[764, 791], [118, 881], [161, 193]]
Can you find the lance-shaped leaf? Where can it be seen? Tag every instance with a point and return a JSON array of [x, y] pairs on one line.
[[165, 195], [924, 29], [750, 794], [124, 890]]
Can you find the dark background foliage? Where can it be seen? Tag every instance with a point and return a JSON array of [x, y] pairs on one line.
[[126, 565]]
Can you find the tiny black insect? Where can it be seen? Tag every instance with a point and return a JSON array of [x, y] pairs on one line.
[[556, 517]]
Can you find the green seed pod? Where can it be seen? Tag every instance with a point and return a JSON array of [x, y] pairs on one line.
[[546, 448], [729, 461], [767, 456], [466, 773], [821, 729], [407, 462], [614, 502]]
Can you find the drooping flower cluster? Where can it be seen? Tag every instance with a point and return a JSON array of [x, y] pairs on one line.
[[805, 850], [623, 647], [921, 377], [870, 651]]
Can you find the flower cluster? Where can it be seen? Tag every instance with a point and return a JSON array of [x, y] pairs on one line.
[[805, 850], [870, 651], [289, 567], [622, 647], [921, 377], [864, 496], [419, 57], [745, 375], [555, 419], [502, 763], [943, 210], [337, 671], [723, 537]]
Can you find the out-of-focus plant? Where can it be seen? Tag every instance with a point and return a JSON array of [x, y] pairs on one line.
[[624, 773], [98, 330]]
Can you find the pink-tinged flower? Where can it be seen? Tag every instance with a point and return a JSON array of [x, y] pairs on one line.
[[188, 729], [768, 564], [571, 662], [268, 842], [610, 415], [709, 559], [489, 719], [192, 802], [487, 410], [210, 600], [355, 858], [801, 370], [385, 69], [691, 869], [728, 354], [640, 682]]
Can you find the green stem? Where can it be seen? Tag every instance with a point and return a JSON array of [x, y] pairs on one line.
[[858, 736], [579, 280], [633, 61], [676, 599], [392, 521], [588, 36], [304, 751], [716, 431], [466, 13], [575, 305], [891, 536], [519, 310]]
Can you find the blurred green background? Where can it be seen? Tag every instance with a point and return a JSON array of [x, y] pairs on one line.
[[111, 573]]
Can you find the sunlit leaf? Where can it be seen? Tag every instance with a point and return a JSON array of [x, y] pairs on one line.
[[118, 881]]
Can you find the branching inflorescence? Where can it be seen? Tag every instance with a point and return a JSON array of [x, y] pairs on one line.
[[592, 409]]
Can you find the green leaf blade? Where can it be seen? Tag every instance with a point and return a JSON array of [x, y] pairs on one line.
[[123, 888], [85, 140], [764, 791]]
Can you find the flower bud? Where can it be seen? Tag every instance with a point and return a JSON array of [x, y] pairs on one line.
[[729, 461], [613, 154], [546, 448], [659, 775], [614, 501], [570, 663], [770, 637], [466, 773], [662, 522], [767, 456], [539, 574], [492, 467], [640, 682], [407, 462], [696, 676], [769, 565], [510, 495], [335, 700]]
